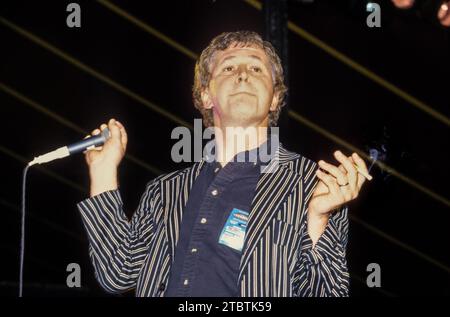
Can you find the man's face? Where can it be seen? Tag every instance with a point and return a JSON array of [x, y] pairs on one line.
[[240, 91]]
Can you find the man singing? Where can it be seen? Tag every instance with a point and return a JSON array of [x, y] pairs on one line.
[[226, 227]]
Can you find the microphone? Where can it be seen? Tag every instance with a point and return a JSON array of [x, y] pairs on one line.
[[81, 146]]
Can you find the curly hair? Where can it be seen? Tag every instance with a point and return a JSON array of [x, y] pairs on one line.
[[239, 39]]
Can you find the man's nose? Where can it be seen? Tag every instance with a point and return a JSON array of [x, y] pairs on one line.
[[242, 74]]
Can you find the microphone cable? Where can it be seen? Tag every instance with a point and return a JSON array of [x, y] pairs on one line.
[[22, 235]]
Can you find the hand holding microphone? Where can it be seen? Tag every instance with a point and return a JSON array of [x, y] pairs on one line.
[[111, 153], [104, 149], [103, 161]]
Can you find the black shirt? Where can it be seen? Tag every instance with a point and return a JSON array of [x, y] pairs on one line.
[[203, 266]]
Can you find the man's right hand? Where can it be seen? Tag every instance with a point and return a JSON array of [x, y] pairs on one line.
[[103, 161]]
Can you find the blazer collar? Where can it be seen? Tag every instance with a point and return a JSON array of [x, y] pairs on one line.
[[274, 186]]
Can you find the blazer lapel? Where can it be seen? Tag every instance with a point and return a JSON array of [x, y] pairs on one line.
[[174, 194], [273, 187]]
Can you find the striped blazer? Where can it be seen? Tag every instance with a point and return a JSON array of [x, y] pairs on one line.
[[277, 257]]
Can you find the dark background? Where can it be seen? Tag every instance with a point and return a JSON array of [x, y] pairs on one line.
[[408, 51]]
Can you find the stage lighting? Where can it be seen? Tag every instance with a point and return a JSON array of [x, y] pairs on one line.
[[435, 11], [404, 4], [443, 13]]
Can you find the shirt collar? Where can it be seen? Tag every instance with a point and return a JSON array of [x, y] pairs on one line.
[[261, 155]]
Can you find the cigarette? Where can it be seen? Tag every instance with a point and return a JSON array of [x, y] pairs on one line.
[[368, 176]]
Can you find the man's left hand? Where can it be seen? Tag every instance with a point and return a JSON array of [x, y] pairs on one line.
[[338, 186]]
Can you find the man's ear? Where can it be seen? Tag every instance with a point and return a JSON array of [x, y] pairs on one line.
[[206, 99], [275, 99]]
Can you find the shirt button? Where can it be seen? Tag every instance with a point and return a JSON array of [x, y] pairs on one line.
[[186, 282], [215, 192], [194, 250], [203, 220]]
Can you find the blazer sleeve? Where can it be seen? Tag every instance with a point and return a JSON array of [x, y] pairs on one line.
[[322, 270], [118, 247]]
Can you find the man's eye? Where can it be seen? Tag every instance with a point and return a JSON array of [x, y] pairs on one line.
[[257, 69], [228, 69]]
